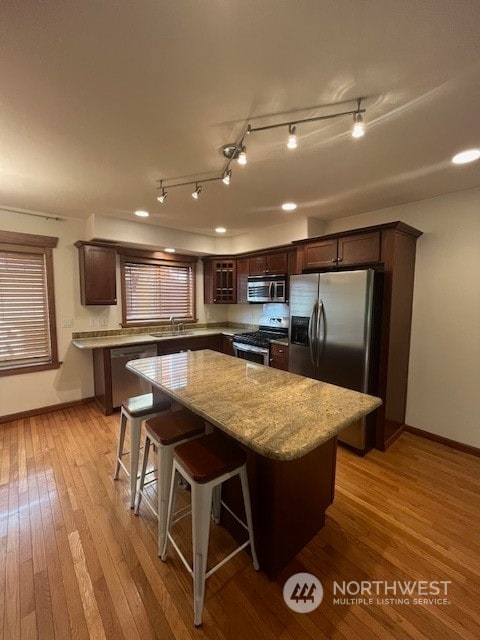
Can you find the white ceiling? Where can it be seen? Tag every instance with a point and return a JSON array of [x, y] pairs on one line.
[[100, 99]]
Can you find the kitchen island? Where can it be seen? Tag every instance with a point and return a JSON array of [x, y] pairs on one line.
[[288, 425]]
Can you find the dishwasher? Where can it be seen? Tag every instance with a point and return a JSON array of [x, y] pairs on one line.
[[126, 384]]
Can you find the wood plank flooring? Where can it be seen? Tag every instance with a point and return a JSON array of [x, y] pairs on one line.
[[76, 564]]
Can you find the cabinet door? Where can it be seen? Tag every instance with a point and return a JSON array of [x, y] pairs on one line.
[[227, 345], [359, 249], [242, 280], [321, 254], [257, 265], [292, 267], [279, 356], [219, 281], [224, 282], [277, 263], [98, 281]]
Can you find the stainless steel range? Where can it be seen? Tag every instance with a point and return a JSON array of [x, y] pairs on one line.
[[255, 346]]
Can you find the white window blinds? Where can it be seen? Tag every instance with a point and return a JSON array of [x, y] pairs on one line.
[[24, 314], [157, 292]]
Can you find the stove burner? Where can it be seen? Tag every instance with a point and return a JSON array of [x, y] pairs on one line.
[[260, 338]]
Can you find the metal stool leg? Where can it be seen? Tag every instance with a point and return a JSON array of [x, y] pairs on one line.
[[121, 441], [201, 506], [135, 433], [248, 514], [175, 481], [164, 474], [142, 473]]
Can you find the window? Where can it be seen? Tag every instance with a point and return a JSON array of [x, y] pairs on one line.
[[28, 339], [154, 290]]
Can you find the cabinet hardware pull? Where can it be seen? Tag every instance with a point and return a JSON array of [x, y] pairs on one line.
[[339, 259], [334, 259]]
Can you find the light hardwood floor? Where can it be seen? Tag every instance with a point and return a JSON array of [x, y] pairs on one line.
[[75, 563]]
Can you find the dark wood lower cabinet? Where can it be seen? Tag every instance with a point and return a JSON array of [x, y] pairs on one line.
[[279, 356], [102, 370], [289, 500], [227, 345]]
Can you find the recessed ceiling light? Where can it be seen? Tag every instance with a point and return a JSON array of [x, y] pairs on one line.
[[169, 250], [220, 229], [142, 214], [289, 206], [466, 156]]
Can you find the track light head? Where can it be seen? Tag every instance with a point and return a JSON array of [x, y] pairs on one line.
[[162, 197], [227, 176], [242, 156], [358, 126], [292, 137], [197, 192]]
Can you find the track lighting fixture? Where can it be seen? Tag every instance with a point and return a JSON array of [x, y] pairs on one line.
[[197, 192], [162, 197], [238, 151], [292, 136], [358, 126], [242, 156]]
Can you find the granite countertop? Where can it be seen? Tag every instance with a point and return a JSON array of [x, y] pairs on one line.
[[100, 342], [283, 341], [278, 414]]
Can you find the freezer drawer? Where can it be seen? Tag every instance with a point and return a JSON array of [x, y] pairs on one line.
[[126, 384]]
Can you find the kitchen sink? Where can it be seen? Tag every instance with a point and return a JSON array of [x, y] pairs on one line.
[[171, 334]]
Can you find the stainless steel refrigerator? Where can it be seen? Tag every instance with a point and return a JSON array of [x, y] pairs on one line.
[[333, 334]]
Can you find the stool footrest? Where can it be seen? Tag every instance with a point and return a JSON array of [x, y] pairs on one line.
[[234, 515]]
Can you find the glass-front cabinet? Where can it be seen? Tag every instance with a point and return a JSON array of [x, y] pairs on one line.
[[220, 281]]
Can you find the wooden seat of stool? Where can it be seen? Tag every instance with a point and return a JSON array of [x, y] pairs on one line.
[[210, 457], [173, 427], [143, 405]]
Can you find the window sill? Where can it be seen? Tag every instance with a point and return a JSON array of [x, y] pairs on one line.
[[13, 371]]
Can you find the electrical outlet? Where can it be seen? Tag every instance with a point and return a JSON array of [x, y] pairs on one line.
[[67, 322], [103, 322], [93, 322]]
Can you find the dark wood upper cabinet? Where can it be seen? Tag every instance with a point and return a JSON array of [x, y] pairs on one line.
[[98, 279], [220, 281], [268, 264], [362, 248], [242, 280], [320, 254], [359, 249], [277, 263], [257, 265]]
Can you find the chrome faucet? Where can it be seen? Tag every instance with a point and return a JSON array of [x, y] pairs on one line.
[[172, 320]]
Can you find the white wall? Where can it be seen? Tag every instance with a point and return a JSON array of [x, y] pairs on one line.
[[444, 374], [74, 379]]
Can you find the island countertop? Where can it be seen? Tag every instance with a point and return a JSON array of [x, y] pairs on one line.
[[280, 415]]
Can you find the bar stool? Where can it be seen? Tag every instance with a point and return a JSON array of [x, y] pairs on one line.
[[134, 411], [206, 463], [165, 432]]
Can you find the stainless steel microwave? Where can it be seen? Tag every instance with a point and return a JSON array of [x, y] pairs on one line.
[[267, 288]]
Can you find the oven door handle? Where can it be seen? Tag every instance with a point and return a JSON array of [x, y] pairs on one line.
[[312, 342]]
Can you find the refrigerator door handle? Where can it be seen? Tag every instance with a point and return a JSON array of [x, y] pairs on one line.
[[312, 343], [320, 334], [270, 290]]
